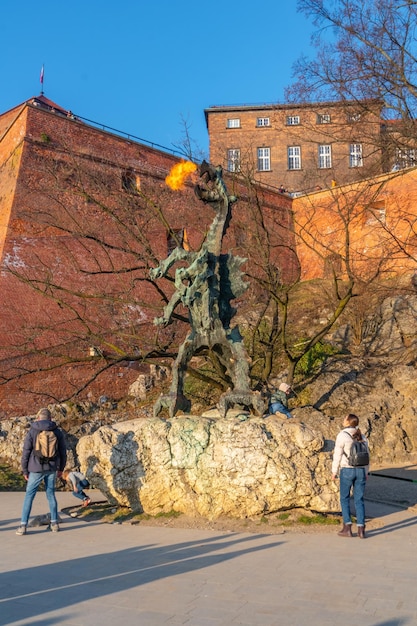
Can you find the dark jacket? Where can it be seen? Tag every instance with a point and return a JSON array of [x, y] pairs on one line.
[[279, 396], [29, 461]]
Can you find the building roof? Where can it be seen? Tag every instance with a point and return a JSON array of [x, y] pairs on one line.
[[275, 106], [44, 103]]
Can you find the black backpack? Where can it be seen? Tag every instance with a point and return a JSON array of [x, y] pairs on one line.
[[358, 454]]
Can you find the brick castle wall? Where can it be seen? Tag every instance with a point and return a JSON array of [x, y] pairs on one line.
[[77, 249]]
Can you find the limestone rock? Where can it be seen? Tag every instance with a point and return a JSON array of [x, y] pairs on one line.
[[384, 398], [210, 466], [389, 330], [12, 435]]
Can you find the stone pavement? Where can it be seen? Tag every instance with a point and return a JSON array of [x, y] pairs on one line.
[[93, 574]]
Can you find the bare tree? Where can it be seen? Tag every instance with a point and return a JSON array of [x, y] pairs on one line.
[[96, 228], [93, 230], [347, 242], [188, 146], [365, 51]]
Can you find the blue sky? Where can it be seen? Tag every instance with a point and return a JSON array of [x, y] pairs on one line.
[[144, 67]]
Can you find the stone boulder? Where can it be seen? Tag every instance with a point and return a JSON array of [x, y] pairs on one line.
[[383, 395], [210, 466], [76, 420], [12, 435]]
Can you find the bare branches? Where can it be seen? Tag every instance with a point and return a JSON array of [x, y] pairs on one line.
[[365, 49]]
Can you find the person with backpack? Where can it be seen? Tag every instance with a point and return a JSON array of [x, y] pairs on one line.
[[351, 456], [77, 482], [43, 459]]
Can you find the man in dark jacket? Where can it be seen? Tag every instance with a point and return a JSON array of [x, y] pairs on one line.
[[36, 469]]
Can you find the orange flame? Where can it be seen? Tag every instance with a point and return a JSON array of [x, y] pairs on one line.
[[179, 172]]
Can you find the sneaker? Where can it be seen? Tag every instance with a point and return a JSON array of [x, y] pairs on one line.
[[21, 530], [54, 527], [86, 502]]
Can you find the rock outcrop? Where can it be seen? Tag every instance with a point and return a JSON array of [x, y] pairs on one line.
[[382, 395], [210, 466]]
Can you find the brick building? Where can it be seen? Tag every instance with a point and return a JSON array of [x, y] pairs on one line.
[[300, 147], [84, 214], [367, 228]]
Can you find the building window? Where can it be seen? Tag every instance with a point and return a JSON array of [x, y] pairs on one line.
[[323, 118], [293, 120], [233, 122], [233, 160], [375, 213], [355, 155], [264, 159], [407, 157], [325, 156], [130, 182], [354, 117], [262, 121], [177, 238], [294, 158]]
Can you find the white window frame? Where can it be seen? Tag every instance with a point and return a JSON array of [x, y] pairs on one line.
[[293, 120], [262, 121], [325, 156], [355, 155], [324, 118], [233, 122], [406, 157], [233, 160], [294, 157], [264, 159]]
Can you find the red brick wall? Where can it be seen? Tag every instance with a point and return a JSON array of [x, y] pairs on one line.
[[75, 234]]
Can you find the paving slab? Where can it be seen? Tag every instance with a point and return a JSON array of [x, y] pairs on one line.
[[93, 574]]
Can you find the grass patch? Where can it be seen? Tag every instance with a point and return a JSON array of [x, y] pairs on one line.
[[307, 518], [10, 480], [317, 519], [283, 517], [113, 514]]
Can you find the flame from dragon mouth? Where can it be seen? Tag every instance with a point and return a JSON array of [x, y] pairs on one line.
[[178, 174]]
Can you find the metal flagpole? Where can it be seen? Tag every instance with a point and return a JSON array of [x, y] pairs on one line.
[[42, 77]]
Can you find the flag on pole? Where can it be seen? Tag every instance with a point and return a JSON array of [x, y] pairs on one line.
[[42, 73]]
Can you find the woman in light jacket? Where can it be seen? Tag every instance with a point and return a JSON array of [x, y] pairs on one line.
[[350, 477]]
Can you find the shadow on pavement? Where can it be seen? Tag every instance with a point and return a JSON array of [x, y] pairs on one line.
[[395, 486], [28, 592]]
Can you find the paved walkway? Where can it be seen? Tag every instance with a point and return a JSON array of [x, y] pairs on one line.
[[93, 574]]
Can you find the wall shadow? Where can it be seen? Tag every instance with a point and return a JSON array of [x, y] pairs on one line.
[[33, 591], [394, 486]]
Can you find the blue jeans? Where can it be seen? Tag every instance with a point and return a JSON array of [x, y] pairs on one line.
[[353, 477], [80, 494], [280, 408], [35, 479]]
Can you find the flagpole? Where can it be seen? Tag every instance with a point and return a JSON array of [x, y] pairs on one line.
[[42, 77]]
